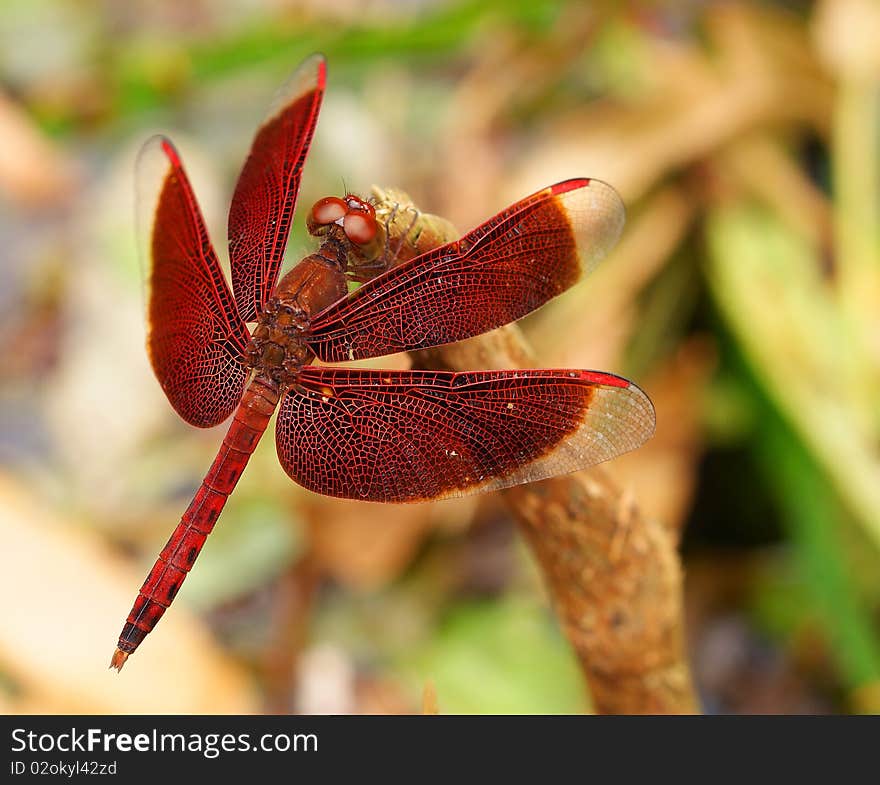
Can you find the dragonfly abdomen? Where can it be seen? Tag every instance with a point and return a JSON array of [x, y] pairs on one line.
[[185, 543]]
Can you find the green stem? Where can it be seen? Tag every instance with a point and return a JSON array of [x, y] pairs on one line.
[[813, 517]]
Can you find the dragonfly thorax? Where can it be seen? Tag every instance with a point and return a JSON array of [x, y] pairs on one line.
[[277, 348]]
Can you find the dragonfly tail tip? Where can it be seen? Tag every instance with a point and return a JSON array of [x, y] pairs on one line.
[[119, 658]]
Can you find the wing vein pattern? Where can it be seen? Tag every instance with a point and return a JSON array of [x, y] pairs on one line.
[[495, 274], [401, 436], [196, 338]]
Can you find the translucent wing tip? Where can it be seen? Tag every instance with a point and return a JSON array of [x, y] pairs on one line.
[[647, 414], [618, 419], [631, 406], [310, 74], [321, 65], [155, 160], [315, 63], [596, 214]]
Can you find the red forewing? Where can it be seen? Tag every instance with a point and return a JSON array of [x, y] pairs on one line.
[[495, 274], [265, 196], [196, 338], [403, 436]]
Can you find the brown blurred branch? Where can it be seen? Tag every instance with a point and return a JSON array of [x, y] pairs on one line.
[[614, 576], [295, 600], [757, 73], [615, 580]]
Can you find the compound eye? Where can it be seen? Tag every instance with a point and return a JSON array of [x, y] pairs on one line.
[[328, 210], [360, 228]]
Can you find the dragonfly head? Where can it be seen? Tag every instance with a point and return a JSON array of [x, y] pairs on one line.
[[356, 218]]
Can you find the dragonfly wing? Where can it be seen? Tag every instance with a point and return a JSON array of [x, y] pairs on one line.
[[406, 436], [196, 338], [495, 274], [263, 203]]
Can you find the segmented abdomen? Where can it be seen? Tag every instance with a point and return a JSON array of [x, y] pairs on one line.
[[184, 545]]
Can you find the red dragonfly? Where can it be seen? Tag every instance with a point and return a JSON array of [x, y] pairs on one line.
[[376, 435]]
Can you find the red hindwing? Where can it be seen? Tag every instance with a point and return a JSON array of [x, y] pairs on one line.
[[406, 436]]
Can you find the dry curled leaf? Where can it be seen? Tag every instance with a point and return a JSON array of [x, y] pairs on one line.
[[58, 631]]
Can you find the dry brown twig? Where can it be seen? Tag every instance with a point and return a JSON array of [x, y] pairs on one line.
[[614, 576], [295, 600]]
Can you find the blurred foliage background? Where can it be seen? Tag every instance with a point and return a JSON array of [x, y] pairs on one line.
[[744, 297]]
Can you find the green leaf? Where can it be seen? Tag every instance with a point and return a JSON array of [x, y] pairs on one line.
[[500, 657]]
